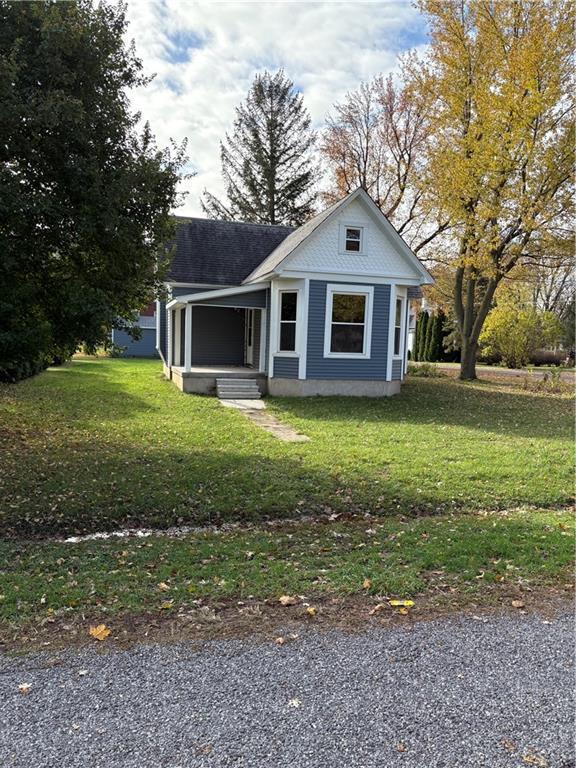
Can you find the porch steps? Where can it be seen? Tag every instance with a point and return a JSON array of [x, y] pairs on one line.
[[237, 389]]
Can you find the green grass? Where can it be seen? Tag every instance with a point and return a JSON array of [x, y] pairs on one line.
[[401, 557], [102, 444]]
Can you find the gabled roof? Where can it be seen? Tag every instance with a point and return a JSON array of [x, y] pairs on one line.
[[221, 252], [289, 244]]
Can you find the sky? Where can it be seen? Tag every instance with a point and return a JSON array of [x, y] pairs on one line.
[[204, 56]]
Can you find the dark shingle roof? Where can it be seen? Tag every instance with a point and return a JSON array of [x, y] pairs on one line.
[[221, 252]]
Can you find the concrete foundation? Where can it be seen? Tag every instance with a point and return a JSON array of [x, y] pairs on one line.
[[202, 380], [348, 387]]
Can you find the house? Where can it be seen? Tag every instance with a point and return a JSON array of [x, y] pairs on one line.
[[318, 310], [145, 346]]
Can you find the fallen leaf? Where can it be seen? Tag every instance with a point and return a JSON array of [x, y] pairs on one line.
[[401, 747], [532, 759], [166, 605], [280, 640], [517, 603], [24, 688], [367, 583], [403, 611], [287, 600], [377, 609], [311, 611], [294, 703], [100, 632], [403, 603], [163, 587], [250, 555]]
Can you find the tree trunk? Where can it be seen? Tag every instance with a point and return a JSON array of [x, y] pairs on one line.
[[468, 361]]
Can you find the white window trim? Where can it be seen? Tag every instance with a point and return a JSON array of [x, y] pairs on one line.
[[354, 290], [400, 354], [353, 225], [286, 352]]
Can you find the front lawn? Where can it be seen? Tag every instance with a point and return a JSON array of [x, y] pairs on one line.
[[490, 558], [103, 444]]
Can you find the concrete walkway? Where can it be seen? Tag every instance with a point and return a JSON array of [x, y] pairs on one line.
[[255, 410]]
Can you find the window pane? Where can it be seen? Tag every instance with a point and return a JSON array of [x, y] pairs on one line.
[[397, 341], [288, 308], [348, 308], [347, 338], [398, 312], [287, 337], [353, 238]]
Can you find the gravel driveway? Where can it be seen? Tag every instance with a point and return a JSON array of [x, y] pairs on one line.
[[448, 693]]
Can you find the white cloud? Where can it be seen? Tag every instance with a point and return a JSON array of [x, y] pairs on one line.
[[205, 55]]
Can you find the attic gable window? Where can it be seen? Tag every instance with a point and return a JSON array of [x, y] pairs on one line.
[[353, 239]]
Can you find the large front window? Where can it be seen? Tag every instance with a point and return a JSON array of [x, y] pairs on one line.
[[348, 323], [288, 308]]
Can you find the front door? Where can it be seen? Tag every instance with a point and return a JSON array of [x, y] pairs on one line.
[[250, 337]]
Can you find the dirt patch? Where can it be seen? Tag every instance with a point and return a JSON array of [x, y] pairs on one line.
[[269, 621]]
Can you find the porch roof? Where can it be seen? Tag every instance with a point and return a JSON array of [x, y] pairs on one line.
[[240, 296]]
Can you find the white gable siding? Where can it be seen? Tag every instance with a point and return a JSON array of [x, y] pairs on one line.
[[322, 252]]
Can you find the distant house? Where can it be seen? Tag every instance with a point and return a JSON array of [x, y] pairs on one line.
[[145, 346], [318, 310]]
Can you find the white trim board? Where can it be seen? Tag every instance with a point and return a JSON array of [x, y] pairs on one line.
[[192, 298], [353, 290]]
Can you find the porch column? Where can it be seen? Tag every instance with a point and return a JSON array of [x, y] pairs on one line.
[[169, 325], [188, 338], [177, 336]]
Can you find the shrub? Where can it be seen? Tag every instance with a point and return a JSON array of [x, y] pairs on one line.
[[425, 371], [550, 382], [516, 333]]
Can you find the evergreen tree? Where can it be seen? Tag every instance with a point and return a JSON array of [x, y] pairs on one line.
[[436, 335], [267, 162], [414, 352], [421, 339], [430, 330]]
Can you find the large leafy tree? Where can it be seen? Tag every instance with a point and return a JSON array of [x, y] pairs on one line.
[[267, 162], [84, 196], [376, 138], [498, 86]]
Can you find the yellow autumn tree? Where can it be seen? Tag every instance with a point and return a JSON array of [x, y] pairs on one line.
[[497, 84]]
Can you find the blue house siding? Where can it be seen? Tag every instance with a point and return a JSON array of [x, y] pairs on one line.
[[217, 336], [144, 347], [178, 290], [286, 367], [256, 299], [397, 370], [319, 367]]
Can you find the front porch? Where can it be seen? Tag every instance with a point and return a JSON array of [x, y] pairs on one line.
[[201, 379], [216, 335]]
